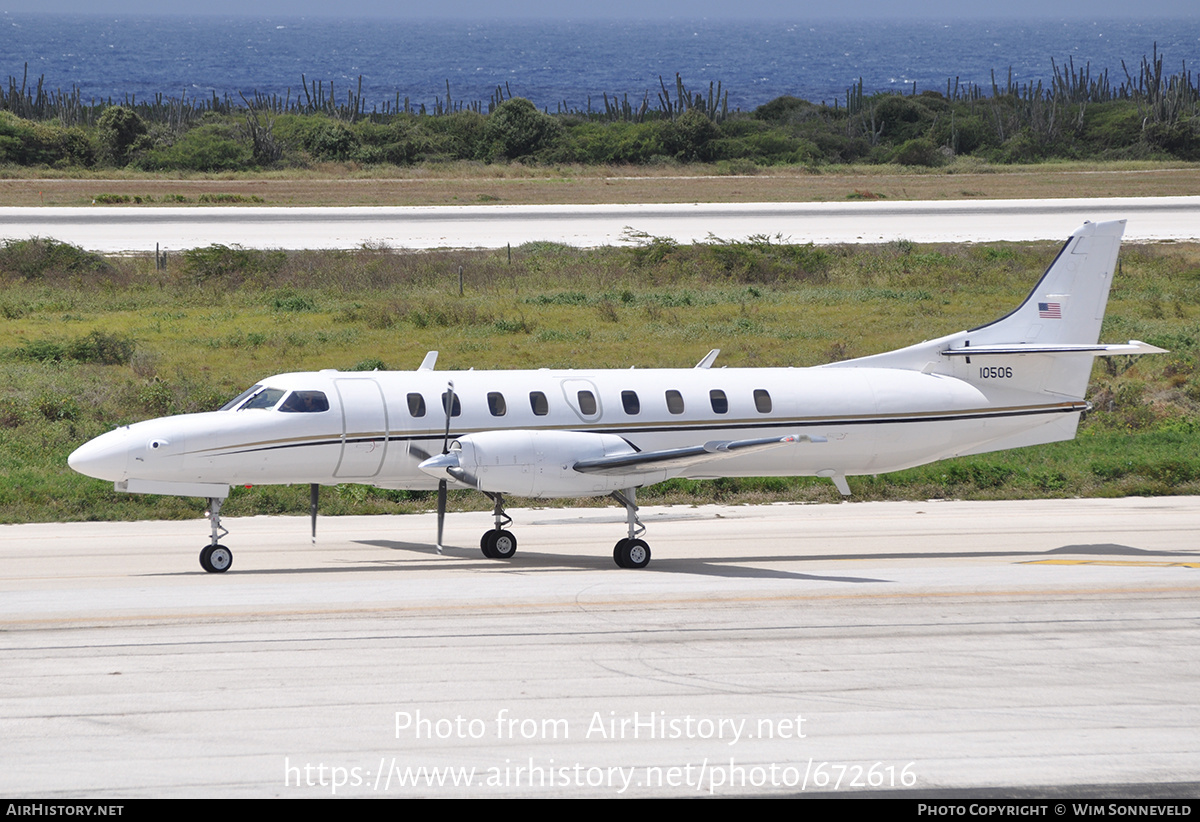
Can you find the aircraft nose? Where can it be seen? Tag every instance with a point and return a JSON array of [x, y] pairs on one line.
[[106, 457]]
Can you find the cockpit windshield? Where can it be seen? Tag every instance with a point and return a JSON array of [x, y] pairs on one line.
[[240, 398], [297, 402], [257, 397], [264, 399]]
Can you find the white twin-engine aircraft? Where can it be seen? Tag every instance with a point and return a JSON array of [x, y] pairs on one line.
[[1015, 382]]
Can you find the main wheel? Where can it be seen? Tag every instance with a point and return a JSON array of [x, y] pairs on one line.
[[485, 545], [619, 553], [632, 553], [216, 559], [503, 544]]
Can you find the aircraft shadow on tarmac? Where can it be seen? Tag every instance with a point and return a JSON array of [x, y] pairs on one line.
[[730, 568], [541, 561]]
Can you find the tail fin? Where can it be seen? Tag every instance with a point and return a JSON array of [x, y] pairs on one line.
[[1067, 305], [1044, 346]]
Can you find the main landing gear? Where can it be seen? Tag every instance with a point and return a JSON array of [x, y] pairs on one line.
[[498, 543], [631, 552], [216, 558]]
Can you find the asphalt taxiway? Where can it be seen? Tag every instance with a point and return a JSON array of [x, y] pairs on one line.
[[780, 649]]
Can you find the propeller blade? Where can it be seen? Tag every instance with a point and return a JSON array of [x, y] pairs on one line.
[[314, 493], [449, 414], [441, 513], [441, 498]]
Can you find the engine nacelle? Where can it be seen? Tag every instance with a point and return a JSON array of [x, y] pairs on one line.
[[532, 463]]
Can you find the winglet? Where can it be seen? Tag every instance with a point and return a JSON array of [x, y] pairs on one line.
[[709, 359], [429, 362]]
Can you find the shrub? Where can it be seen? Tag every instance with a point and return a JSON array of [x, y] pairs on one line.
[[691, 136], [783, 109], [517, 129], [621, 142], [902, 118], [1182, 140], [369, 364], [918, 152], [102, 349], [204, 148], [121, 132], [232, 265], [38, 257], [41, 351], [963, 134], [97, 347], [458, 136], [332, 140], [28, 143], [293, 302], [56, 406]]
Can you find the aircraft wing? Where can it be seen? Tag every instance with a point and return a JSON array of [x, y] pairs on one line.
[[672, 458]]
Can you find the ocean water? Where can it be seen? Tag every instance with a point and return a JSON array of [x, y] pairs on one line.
[[555, 63]]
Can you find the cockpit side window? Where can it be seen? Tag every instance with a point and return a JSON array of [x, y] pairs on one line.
[[264, 399], [305, 402]]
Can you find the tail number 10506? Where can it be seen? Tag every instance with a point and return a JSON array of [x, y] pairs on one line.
[[995, 372]]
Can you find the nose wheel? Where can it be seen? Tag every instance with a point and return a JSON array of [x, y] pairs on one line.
[[216, 559]]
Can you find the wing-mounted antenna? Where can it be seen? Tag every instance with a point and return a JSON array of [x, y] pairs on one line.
[[709, 359], [429, 362]]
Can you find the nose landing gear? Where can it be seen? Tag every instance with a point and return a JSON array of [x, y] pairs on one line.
[[216, 558]]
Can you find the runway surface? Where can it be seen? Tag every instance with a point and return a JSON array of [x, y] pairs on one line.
[[782, 649], [120, 229]]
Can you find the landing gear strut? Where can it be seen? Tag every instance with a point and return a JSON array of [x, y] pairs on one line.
[[216, 558], [498, 543], [631, 552]]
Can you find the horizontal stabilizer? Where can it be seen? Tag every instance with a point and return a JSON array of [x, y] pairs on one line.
[[682, 457], [1131, 347]]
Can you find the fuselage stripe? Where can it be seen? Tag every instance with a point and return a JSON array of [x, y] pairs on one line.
[[627, 430]]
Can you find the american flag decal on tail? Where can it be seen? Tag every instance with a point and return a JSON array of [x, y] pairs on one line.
[[1050, 311]]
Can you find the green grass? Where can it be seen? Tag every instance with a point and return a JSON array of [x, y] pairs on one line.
[[86, 347]]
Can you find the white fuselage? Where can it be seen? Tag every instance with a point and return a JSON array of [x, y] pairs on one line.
[[379, 426]]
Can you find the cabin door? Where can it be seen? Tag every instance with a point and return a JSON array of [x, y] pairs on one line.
[[364, 428]]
